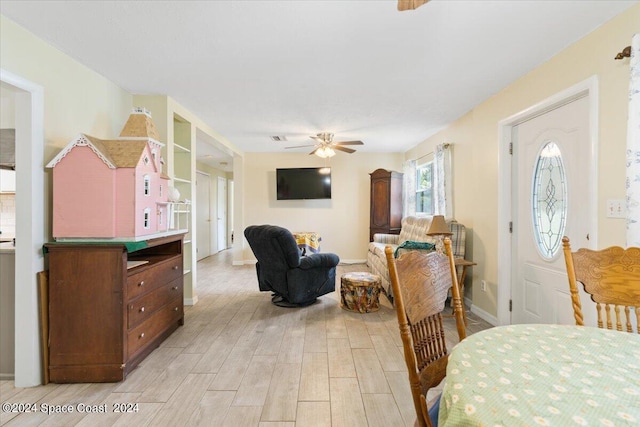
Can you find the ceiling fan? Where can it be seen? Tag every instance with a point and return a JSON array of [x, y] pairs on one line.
[[325, 147]]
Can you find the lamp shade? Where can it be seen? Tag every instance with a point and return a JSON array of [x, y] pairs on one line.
[[438, 227]]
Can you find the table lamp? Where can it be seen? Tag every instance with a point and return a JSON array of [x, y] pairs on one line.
[[439, 229]]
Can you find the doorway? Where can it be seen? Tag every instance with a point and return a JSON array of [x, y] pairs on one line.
[[203, 215], [30, 214], [550, 153], [547, 190], [222, 214]]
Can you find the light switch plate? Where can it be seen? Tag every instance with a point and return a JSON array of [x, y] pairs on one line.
[[616, 208]]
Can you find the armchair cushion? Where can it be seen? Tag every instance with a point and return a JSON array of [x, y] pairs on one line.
[[294, 280]]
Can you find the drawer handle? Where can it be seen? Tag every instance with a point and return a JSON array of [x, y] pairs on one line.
[[175, 309], [141, 283], [141, 309], [175, 288], [141, 336], [175, 267]]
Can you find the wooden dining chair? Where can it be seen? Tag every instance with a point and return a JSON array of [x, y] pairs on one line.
[[421, 282], [612, 278]]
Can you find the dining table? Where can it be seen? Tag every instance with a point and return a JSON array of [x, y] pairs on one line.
[[543, 375]]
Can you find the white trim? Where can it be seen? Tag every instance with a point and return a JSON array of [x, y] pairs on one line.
[[80, 141], [484, 315], [30, 209], [589, 87], [191, 301]]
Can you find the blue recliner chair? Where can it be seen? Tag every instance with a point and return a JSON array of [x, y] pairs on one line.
[[294, 280]]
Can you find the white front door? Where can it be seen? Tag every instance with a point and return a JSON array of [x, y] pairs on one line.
[[203, 215], [551, 161], [222, 213]]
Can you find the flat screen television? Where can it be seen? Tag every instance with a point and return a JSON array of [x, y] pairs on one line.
[[303, 183]]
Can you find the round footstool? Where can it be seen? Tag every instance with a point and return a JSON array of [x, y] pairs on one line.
[[359, 292]]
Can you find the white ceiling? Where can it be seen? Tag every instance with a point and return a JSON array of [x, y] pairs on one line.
[[359, 69]]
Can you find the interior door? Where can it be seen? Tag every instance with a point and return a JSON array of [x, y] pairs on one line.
[[551, 157], [203, 215], [222, 213]]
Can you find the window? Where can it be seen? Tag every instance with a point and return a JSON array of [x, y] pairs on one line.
[[424, 189], [147, 214], [549, 200], [160, 190], [147, 185]]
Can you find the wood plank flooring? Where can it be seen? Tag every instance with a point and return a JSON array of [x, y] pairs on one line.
[[241, 361]]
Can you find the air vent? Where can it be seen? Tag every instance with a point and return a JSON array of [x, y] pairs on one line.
[[278, 138]]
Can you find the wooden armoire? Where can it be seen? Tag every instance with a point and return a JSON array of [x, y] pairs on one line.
[[386, 202]]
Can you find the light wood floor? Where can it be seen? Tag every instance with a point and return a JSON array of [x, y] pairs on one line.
[[241, 361]]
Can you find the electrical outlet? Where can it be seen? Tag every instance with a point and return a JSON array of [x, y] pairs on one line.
[[483, 285]]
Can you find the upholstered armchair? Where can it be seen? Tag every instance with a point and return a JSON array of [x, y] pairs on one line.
[[295, 280]]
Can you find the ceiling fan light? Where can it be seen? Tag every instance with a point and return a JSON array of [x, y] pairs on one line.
[[324, 152]]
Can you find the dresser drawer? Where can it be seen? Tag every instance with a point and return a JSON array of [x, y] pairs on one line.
[[141, 308], [157, 275], [157, 323]]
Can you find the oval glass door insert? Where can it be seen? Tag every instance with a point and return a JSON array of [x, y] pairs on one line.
[[549, 200]]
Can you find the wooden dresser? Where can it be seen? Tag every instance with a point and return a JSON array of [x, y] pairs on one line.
[[104, 318], [386, 202]]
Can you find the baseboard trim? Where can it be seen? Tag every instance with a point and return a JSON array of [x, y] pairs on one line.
[[484, 315], [191, 301], [352, 261], [7, 377]]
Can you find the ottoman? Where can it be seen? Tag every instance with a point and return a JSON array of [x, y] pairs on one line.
[[360, 291]]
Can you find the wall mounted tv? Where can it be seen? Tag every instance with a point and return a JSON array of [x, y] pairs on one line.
[[303, 183]]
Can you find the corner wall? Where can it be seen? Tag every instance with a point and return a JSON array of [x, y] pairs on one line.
[[475, 139]]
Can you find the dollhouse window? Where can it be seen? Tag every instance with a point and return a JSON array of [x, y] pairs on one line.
[[147, 213], [147, 185], [146, 160], [154, 155], [160, 217], [161, 190]]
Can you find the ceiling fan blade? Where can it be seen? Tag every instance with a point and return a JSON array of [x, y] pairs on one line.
[[345, 149], [350, 143], [302, 146], [314, 151], [410, 4]]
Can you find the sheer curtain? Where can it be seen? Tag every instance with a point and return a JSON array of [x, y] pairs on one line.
[[409, 186], [633, 148], [443, 200]]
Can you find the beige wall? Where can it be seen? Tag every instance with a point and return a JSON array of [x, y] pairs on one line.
[[475, 139], [76, 99], [343, 221]]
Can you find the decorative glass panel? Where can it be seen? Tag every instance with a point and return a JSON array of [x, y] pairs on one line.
[[549, 200]]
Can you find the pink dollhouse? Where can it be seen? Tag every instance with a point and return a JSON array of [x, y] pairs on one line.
[[111, 189]]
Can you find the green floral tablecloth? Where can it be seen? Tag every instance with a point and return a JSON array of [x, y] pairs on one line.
[[548, 375]]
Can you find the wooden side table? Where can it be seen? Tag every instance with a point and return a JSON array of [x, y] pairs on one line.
[[461, 262]]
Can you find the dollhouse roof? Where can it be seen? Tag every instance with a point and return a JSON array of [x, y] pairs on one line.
[[140, 125], [120, 153], [124, 152]]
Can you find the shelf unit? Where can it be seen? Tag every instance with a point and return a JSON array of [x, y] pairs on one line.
[[183, 167]]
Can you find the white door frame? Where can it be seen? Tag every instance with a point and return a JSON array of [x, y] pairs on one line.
[[30, 230], [207, 176], [505, 215]]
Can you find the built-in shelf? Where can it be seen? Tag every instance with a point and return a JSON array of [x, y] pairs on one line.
[[179, 148], [187, 241], [186, 181], [187, 272]]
